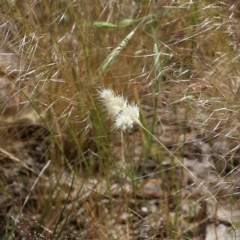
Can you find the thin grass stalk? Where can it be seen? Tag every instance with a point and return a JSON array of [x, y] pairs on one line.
[[123, 154], [62, 211], [175, 158], [50, 130], [158, 77], [14, 158], [32, 188]]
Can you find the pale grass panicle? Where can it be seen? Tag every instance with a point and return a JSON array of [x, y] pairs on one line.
[[113, 104], [123, 114], [127, 117]]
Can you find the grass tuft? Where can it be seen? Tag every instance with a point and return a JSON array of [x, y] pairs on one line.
[[166, 74]]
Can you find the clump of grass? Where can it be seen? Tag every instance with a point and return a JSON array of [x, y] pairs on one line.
[[177, 60], [126, 115]]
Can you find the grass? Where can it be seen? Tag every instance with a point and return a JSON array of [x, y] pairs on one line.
[[62, 175]]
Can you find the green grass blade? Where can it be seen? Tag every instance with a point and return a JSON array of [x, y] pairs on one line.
[[104, 25], [112, 56]]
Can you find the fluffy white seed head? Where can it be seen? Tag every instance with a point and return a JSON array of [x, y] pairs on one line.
[[127, 117], [113, 104], [116, 106], [123, 114], [107, 95]]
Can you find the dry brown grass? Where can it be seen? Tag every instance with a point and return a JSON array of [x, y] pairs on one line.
[[61, 173]]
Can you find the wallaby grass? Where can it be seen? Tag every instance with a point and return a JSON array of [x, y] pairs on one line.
[[178, 60]]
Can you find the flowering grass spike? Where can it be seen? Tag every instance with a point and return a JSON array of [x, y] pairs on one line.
[[118, 108]]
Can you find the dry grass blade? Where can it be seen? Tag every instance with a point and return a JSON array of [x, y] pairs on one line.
[[11, 156], [32, 188], [178, 63]]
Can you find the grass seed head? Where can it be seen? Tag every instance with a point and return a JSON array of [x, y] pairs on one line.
[[127, 117], [123, 114], [107, 94], [113, 103]]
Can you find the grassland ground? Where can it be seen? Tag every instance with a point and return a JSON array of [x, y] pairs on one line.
[[65, 173]]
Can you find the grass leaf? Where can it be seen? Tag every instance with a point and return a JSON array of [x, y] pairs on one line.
[[104, 25], [111, 57]]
